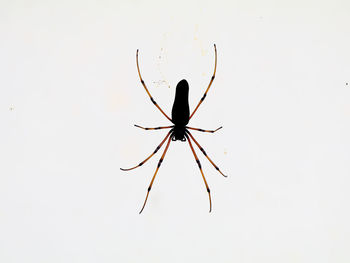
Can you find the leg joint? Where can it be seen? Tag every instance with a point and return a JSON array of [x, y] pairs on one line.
[[156, 150], [199, 164], [153, 101], [160, 162]]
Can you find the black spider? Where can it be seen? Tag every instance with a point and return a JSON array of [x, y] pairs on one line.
[[179, 131]]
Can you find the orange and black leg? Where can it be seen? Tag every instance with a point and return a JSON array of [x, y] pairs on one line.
[[211, 81], [154, 176], [201, 130], [156, 128], [200, 168], [144, 85], [205, 154], [155, 151]]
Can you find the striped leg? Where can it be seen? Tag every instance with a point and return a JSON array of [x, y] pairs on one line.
[[144, 85], [156, 150], [154, 176], [211, 81], [201, 130], [205, 154], [157, 128], [200, 168]]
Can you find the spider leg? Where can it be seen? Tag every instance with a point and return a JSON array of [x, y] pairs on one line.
[[205, 154], [154, 176], [200, 168], [211, 81], [144, 85], [157, 128], [201, 130], [156, 150]]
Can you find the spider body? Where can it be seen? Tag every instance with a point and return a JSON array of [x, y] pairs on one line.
[[180, 116]]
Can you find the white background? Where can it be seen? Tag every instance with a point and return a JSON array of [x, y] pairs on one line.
[[70, 95]]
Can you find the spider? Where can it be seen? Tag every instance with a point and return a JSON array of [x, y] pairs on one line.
[[179, 131]]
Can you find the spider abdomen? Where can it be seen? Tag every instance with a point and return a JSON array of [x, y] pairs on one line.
[[180, 114]]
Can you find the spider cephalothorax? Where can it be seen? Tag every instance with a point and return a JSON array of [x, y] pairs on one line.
[[179, 133], [180, 116]]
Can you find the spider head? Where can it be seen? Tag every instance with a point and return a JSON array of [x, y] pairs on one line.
[[179, 133]]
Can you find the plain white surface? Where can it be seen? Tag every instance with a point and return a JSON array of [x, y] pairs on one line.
[[70, 95]]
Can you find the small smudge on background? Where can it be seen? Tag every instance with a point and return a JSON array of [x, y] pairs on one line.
[[11, 108], [161, 83], [161, 60]]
